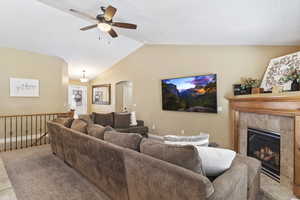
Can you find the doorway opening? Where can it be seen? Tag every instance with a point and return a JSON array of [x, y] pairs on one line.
[[124, 96], [78, 99]]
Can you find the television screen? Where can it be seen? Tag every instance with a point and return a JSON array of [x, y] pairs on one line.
[[190, 94]]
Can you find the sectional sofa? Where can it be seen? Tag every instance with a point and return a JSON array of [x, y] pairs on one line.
[[126, 174]]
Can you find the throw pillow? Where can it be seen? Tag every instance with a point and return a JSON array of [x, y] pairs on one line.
[[79, 125], [103, 119], [198, 140], [121, 120], [126, 140], [133, 121], [215, 161], [87, 119], [96, 130], [65, 121], [183, 156]]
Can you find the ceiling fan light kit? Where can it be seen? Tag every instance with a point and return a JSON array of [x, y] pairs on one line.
[[104, 27], [105, 21]]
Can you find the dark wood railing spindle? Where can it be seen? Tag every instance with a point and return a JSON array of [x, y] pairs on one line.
[[16, 132], [5, 129], [10, 133], [21, 132], [36, 129], [26, 131]]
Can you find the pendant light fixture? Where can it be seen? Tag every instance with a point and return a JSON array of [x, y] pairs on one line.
[[84, 79]]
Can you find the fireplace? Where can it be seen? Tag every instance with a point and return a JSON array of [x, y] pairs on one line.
[[264, 145]]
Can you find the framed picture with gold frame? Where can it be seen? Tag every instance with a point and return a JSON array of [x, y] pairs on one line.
[[101, 94]]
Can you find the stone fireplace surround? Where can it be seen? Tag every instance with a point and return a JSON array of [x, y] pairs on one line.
[[280, 124], [276, 112]]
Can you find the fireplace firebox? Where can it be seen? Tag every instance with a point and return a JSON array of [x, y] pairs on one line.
[[264, 145]]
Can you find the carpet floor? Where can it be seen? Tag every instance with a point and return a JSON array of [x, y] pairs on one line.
[[36, 174]]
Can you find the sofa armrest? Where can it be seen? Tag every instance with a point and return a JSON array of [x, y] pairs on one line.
[[140, 123], [232, 184]]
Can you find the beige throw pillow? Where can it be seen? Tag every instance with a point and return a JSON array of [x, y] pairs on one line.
[[79, 125]]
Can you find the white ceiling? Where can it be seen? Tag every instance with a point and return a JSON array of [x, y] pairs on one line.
[[34, 26], [28, 24], [209, 22]]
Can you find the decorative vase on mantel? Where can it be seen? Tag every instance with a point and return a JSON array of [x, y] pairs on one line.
[[295, 86], [257, 90]]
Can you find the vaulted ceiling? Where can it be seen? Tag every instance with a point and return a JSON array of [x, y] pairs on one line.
[[49, 27], [35, 26]]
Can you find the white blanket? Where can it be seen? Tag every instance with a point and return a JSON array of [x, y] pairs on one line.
[[215, 161]]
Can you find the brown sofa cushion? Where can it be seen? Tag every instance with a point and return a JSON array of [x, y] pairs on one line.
[[121, 120], [103, 119], [185, 156], [96, 130], [126, 140], [79, 125], [65, 121]]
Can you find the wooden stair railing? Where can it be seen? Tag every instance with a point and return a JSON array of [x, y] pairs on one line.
[[23, 131]]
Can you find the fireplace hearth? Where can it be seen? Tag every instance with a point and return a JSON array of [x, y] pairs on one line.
[[264, 145]]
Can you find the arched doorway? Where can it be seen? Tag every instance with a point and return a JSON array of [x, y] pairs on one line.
[[124, 96]]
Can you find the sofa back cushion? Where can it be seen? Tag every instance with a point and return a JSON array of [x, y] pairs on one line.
[[96, 130], [126, 140], [121, 120], [103, 119], [65, 121], [79, 125], [183, 156]]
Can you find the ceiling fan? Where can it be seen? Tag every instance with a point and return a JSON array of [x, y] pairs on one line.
[[105, 21]]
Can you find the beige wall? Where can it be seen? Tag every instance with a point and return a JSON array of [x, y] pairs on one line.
[[52, 72], [147, 66]]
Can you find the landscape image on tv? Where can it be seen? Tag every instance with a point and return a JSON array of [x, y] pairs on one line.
[[190, 94]]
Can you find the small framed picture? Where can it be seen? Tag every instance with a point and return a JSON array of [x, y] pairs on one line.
[[101, 94]]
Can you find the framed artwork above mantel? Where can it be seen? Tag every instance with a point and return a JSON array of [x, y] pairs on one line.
[[279, 68], [101, 94]]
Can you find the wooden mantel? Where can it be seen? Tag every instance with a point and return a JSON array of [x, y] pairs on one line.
[[284, 104]]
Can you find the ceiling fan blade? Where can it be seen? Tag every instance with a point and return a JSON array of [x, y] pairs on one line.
[[89, 27], [109, 13], [124, 25], [113, 33], [83, 14]]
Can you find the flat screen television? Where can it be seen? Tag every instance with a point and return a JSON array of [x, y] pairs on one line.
[[190, 94]]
